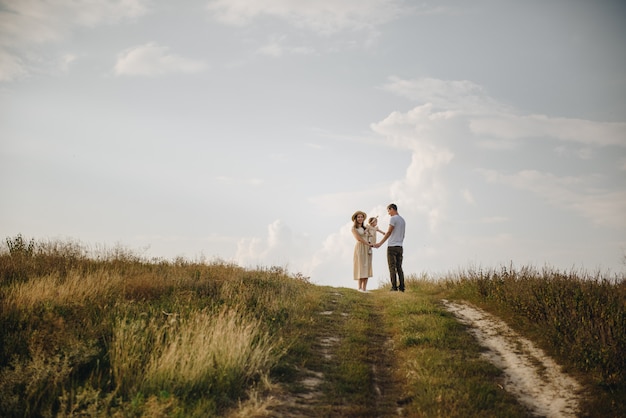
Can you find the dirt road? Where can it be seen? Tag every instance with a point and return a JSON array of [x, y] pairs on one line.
[[529, 374], [534, 378]]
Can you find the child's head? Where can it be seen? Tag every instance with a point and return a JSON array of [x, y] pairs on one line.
[[373, 220]]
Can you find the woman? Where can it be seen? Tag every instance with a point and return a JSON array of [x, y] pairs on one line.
[[362, 251]]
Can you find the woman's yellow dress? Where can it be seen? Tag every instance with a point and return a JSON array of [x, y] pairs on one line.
[[362, 257]]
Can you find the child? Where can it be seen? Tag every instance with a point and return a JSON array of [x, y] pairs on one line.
[[371, 229]]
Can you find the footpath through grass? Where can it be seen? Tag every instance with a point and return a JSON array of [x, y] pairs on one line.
[[400, 354]]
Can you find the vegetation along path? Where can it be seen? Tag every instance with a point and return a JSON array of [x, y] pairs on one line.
[[119, 336], [384, 354]]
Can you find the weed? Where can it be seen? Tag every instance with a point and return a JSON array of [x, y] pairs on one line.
[[108, 333], [113, 333]]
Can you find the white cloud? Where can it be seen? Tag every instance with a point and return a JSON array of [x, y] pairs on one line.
[[39, 21], [405, 130], [453, 95], [66, 61], [419, 131], [468, 197], [332, 263], [276, 47], [11, 67], [447, 137], [494, 219], [584, 153], [496, 144], [423, 187], [239, 181], [335, 204], [588, 132], [95, 12], [27, 23], [31, 22], [154, 60], [272, 49], [281, 247], [322, 16], [488, 117], [579, 194]]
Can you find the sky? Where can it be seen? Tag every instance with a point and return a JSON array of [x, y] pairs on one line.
[[250, 131]]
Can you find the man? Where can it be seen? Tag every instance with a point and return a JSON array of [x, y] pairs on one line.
[[395, 234]]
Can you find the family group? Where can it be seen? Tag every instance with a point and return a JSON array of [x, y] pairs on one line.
[[365, 235]]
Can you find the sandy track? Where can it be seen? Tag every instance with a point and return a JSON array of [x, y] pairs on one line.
[[533, 377]]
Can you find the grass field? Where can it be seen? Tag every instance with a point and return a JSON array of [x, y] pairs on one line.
[[113, 334]]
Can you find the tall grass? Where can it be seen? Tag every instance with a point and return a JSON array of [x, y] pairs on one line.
[[582, 316], [203, 354], [73, 289], [438, 362], [577, 317], [114, 334], [109, 333]]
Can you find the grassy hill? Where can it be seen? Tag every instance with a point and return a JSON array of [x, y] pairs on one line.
[[116, 335]]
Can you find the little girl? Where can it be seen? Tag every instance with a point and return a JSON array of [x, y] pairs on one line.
[[371, 229]]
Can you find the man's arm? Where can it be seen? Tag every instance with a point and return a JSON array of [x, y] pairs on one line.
[[386, 237]]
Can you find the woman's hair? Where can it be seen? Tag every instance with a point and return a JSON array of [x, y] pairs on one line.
[[356, 222]]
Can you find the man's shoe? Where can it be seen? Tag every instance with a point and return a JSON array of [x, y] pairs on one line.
[[394, 289]]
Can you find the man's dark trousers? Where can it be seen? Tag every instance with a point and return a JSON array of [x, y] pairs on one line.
[[394, 259]]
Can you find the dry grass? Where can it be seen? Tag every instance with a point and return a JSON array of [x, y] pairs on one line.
[[576, 317], [581, 316], [73, 289], [199, 355], [113, 334], [439, 364]]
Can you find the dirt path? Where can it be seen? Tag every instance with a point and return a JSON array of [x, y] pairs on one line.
[[305, 400], [308, 399], [529, 374], [533, 377]]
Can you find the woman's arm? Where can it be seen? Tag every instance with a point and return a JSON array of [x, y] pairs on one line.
[[358, 237]]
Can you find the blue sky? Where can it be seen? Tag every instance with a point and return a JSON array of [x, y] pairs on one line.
[[250, 131]]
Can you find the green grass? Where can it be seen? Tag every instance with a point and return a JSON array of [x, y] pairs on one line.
[[112, 334], [129, 337], [437, 362], [576, 317], [351, 379]]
